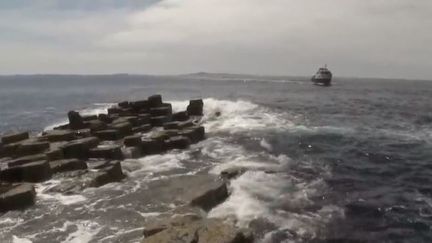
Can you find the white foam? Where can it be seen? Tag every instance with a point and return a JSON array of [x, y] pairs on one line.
[[16, 239], [58, 197], [156, 163], [84, 233]]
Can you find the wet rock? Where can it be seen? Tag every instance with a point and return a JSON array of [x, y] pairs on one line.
[[124, 104], [79, 148], [108, 172], [185, 124], [161, 111], [10, 149], [124, 128], [160, 224], [32, 147], [26, 159], [58, 135], [15, 197], [158, 121], [151, 146], [140, 105], [195, 107], [114, 110], [13, 138], [177, 142], [144, 118], [232, 172], [96, 125], [171, 125], [67, 165], [106, 152], [54, 154], [37, 171], [201, 231], [109, 135], [154, 101], [195, 134], [142, 128], [89, 117], [132, 152], [180, 116], [82, 133], [75, 120], [62, 127], [105, 118], [209, 195], [133, 140], [126, 112]]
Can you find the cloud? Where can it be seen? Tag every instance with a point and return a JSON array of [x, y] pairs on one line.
[[356, 38]]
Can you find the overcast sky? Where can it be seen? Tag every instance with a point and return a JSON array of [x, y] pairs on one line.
[[373, 38]]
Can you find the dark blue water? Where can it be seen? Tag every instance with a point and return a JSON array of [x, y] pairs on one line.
[[356, 157]]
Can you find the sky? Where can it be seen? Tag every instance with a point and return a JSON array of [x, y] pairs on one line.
[[355, 38]]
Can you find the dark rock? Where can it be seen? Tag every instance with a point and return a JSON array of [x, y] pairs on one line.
[[58, 135], [158, 121], [10, 149], [126, 112], [110, 135], [209, 195], [132, 152], [79, 148], [96, 125], [155, 101], [161, 111], [89, 117], [195, 134], [32, 147], [133, 140], [195, 108], [105, 118], [171, 125], [144, 118], [140, 105], [124, 104], [180, 116], [67, 165], [177, 142], [62, 127], [13, 138], [232, 172], [133, 120], [185, 124], [15, 197], [106, 152], [114, 110], [152, 146], [26, 159], [142, 128], [124, 128], [82, 133], [54, 154], [37, 171], [75, 120], [108, 172]]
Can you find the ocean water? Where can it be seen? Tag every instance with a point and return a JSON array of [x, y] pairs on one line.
[[348, 163]]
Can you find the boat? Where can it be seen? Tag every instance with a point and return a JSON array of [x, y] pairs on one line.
[[323, 77]]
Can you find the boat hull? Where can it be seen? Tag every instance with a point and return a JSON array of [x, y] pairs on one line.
[[322, 81]]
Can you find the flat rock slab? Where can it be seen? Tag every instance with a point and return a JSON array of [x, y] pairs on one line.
[[200, 231], [58, 135], [67, 165], [14, 197], [79, 148], [32, 147], [106, 152], [37, 171], [13, 138]]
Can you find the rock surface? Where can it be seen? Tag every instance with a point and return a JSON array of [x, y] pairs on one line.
[[18, 196]]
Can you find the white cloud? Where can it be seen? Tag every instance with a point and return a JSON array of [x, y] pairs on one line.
[[355, 37]]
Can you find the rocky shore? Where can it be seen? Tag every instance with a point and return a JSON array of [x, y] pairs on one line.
[[89, 150]]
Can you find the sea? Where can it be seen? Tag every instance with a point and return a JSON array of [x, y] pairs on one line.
[[346, 163]]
